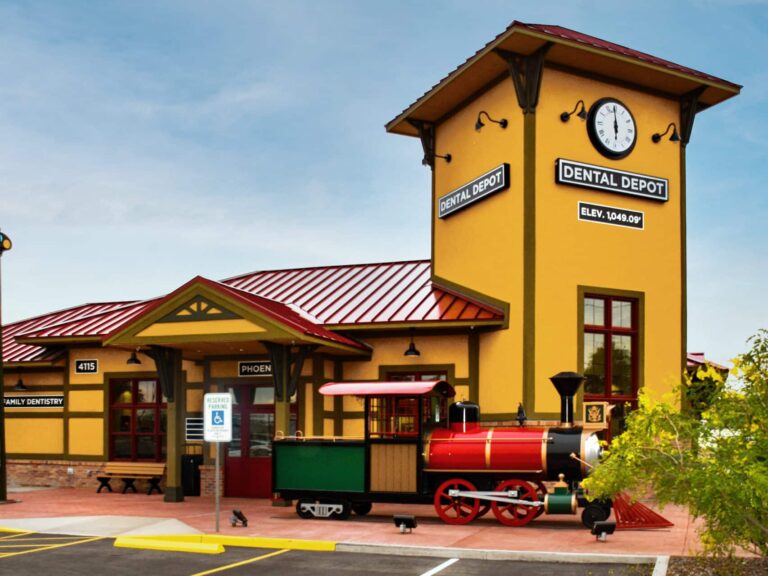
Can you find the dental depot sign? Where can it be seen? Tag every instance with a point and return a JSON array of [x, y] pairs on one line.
[[493, 181]]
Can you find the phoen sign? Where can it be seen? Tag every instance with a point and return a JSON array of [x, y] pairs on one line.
[[609, 180], [481, 187], [254, 368]]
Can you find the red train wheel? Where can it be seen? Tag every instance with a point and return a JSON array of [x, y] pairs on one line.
[[541, 491], [515, 514], [456, 509]]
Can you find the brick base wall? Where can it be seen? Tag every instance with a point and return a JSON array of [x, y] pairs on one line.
[[54, 473], [208, 480]]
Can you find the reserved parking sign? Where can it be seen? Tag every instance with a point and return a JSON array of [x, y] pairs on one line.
[[217, 417]]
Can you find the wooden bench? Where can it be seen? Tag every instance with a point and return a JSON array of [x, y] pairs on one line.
[[129, 472]]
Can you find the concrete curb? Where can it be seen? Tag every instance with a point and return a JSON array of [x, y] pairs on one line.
[[206, 540], [483, 554], [167, 545]]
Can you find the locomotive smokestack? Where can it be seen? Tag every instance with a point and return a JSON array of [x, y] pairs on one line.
[[567, 384]]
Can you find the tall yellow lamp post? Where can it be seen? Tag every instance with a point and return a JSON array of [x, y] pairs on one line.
[[5, 245]]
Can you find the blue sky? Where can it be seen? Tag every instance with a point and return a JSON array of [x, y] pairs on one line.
[[143, 143]]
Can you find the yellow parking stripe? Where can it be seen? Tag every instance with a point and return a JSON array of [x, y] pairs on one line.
[[16, 535], [242, 563], [54, 546]]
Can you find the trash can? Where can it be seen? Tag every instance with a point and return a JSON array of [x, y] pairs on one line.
[[190, 474]]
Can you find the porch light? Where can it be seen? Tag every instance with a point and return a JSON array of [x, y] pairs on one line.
[[675, 137], [412, 351], [479, 123], [133, 360], [20, 386], [565, 116]]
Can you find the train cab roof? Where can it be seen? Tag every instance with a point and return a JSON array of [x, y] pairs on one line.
[[420, 388]]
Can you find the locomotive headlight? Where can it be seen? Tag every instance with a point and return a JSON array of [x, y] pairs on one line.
[[592, 451]]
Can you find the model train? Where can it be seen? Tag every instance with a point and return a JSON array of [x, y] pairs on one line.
[[417, 449]]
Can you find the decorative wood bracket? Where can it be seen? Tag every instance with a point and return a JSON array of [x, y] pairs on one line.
[[286, 364], [168, 365], [427, 137], [689, 105], [526, 72]]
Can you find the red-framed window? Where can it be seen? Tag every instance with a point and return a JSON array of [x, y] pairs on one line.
[[137, 419], [393, 417], [610, 342], [396, 417]]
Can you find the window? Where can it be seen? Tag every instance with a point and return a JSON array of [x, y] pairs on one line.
[[138, 420], [393, 416], [610, 342], [397, 417]]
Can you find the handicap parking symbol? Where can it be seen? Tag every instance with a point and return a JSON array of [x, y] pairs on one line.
[[217, 417]]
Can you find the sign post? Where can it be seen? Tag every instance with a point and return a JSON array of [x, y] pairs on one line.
[[217, 427]]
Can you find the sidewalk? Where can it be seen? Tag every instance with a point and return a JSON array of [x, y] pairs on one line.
[[57, 510]]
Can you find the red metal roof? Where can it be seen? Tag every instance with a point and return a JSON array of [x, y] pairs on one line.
[[387, 388], [697, 359], [306, 299], [568, 34], [15, 352], [366, 294], [483, 67]]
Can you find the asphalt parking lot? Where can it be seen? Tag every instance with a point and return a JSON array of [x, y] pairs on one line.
[[35, 553]]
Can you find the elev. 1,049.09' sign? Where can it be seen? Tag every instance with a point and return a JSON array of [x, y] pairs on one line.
[[481, 187]]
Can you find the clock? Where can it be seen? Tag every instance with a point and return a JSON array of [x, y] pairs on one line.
[[611, 128]]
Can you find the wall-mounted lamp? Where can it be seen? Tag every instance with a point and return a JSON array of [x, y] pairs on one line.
[[412, 351], [447, 158], [133, 360], [565, 116], [675, 137], [20, 386], [479, 124], [521, 415]]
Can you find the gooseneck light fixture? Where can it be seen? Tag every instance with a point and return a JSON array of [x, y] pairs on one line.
[[411, 351], [675, 137], [479, 123], [565, 116], [20, 386], [447, 158], [133, 360]]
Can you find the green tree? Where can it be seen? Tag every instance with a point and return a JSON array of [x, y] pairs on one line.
[[714, 462]]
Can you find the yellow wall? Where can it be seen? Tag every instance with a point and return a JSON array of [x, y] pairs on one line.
[[86, 401], [34, 436], [439, 350], [11, 377], [570, 252], [110, 361], [86, 436], [487, 258], [481, 246]]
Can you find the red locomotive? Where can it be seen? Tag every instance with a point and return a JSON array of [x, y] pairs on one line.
[[417, 449]]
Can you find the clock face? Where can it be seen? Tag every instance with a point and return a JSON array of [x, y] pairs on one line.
[[611, 128]]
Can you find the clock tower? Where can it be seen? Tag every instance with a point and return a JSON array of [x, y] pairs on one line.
[[558, 187]]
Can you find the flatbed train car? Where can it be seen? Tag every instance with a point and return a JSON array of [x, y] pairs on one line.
[[418, 449]]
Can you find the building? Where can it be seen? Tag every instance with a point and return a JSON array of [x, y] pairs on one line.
[[558, 243]]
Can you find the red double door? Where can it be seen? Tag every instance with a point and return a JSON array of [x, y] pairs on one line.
[[248, 461]]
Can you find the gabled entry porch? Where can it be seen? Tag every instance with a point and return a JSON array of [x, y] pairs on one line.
[[205, 322]]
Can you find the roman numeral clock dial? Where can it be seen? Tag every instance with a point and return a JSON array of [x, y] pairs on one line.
[[611, 128]]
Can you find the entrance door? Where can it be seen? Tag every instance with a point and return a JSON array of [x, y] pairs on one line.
[[248, 463]]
